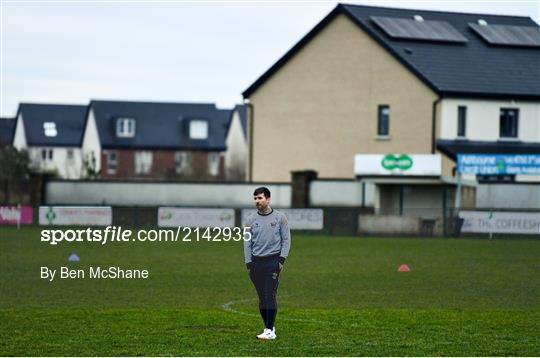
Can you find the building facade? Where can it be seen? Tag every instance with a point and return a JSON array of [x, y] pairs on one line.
[[382, 81]]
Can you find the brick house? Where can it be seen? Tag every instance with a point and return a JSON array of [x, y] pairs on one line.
[[164, 141]]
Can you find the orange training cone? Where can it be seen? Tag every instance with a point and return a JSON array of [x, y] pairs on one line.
[[404, 268]]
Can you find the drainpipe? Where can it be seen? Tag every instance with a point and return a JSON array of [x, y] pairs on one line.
[[250, 139], [434, 124]]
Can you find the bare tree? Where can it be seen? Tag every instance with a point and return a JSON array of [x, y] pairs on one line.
[[14, 171]]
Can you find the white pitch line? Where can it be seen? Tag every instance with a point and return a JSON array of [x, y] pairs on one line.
[[228, 307]]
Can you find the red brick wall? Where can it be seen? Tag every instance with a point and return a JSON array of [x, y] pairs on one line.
[[163, 166]]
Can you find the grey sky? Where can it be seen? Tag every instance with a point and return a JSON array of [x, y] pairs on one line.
[[71, 52]]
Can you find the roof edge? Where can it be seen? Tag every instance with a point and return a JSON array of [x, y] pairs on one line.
[[21, 104], [92, 101], [391, 51], [494, 96], [439, 11], [339, 9], [447, 147], [293, 51], [163, 148], [342, 8]]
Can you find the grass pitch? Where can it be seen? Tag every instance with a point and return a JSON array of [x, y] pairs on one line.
[[337, 296]]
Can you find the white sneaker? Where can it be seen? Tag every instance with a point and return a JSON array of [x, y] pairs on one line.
[[267, 334]]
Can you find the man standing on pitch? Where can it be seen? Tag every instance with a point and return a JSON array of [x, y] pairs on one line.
[[265, 255]]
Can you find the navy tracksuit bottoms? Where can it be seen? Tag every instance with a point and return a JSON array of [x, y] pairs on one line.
[[264, 274]]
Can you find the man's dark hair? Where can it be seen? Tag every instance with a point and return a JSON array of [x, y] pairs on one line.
[[262, 190]]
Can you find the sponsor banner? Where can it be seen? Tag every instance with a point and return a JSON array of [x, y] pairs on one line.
[[13, 215], [75, 215], [397, 164], [500, 222], [499, 164], [299, 219], [195, 217]]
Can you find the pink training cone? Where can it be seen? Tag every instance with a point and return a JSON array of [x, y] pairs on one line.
[[404, 268]]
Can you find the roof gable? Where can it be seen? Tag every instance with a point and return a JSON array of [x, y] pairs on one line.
[[53, 124], [472, 68], [242, 110]]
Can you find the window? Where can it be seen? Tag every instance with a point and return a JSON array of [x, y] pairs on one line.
[[383, 121], [180, 161], [112, 162], [198, 129], [69, 154], [125, 127], [47, 154], [506, 178], [213, 163], [143, 162], [462, 121], [49, 129], [509, 123]]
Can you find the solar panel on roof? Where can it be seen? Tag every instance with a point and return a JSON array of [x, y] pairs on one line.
[[400, 28], [507, 35]]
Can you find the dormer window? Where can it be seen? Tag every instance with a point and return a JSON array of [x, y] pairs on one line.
[[125, 127], [198, 129], [49, 129]]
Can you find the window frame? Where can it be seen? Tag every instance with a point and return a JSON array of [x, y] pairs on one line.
[[125, 127], [516, 120], [462, 121], [47, 154], [380, 118], [141, 164], [213, 165], [111, 169], [49, 129], [183, 161], [194, 122]]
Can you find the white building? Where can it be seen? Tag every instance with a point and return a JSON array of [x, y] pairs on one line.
[[507, 126], [490, 127], [52, 134], [237, 147]]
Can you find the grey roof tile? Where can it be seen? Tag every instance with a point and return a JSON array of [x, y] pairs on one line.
[[161, 125]]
